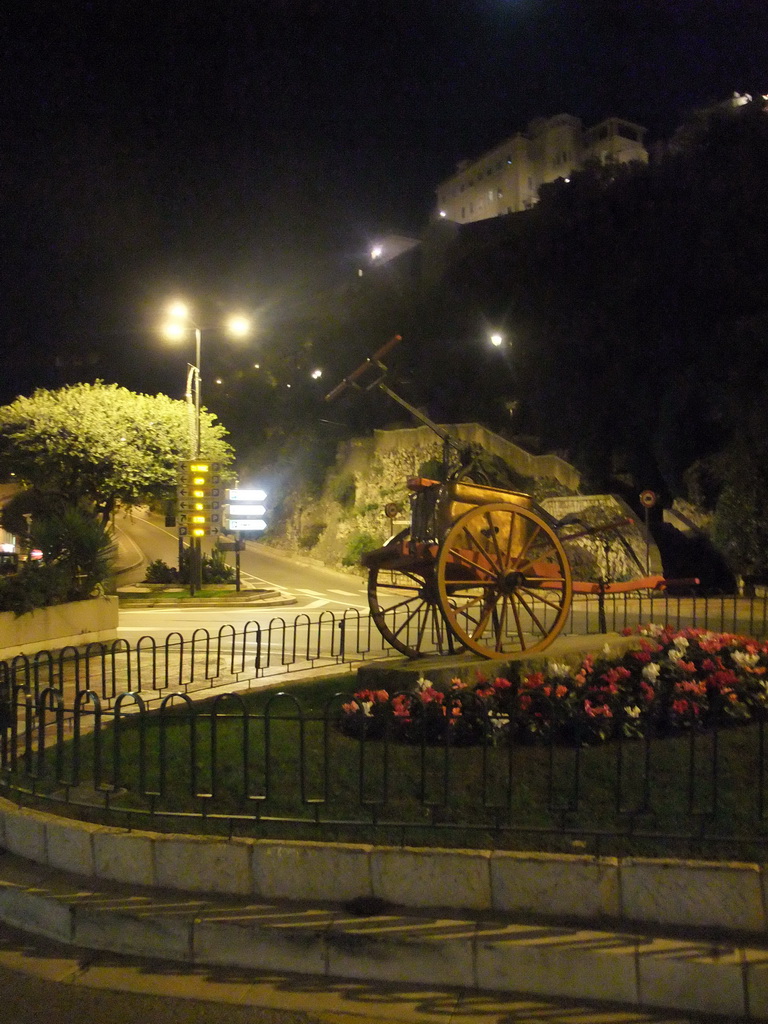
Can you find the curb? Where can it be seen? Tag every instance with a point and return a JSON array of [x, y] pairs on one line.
[[386, 943], [263, 599]]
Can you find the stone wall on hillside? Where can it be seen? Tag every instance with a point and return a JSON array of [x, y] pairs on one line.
[[371, 473]]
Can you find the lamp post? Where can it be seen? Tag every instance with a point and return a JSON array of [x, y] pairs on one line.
[[178, 325]]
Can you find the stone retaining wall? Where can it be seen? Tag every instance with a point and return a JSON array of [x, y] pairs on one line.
[[61, 625], [724, 897]]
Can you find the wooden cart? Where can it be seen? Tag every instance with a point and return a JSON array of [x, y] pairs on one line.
[[479, 568]]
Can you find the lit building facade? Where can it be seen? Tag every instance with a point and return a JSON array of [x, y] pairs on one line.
[[507, 178]]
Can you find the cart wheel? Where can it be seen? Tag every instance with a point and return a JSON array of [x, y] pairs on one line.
[[504, 581], [406, 609]]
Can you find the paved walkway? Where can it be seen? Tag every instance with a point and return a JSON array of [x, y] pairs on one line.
[[85, 936], [41, 980]]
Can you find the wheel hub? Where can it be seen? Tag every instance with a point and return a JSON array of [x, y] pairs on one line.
[[511, 581]]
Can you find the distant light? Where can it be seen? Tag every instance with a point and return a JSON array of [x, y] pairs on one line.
[[316, 374], [496, 340], [287, 385], [219, 380], [35, 555], [376, 252], [566, 180], [359, 272], [442, 213], [257, 366]]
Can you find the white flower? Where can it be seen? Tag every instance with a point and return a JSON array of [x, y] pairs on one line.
[[423, 684], [632, 710], [557, 669], [499, 721], [651, 630], [745, 659], [675, 655], [681, 643], [651, 672], [366, 705]]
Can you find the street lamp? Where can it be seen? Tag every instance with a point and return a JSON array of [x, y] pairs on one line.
[[178, 325]]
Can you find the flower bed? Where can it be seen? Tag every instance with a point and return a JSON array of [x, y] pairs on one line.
[[675, 681]]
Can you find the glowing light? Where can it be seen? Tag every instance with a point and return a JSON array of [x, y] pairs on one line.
[[316, 374], [376, 252], [496, 340], [174, 331], [239, 326], [178, 310]]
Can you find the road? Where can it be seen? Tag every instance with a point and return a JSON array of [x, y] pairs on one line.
[[307, 588], [312, 590]]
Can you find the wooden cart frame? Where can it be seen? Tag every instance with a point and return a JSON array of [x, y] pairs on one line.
[[479, 568]]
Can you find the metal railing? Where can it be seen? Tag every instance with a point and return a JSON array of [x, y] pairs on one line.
[[91, 727], [243, 656], [269, 764]]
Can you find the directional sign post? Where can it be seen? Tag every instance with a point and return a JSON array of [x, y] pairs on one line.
[[198, 499], [243, 513]]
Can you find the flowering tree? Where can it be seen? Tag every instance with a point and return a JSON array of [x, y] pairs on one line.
[[101, 444]]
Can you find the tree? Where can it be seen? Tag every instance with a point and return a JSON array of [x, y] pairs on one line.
[[102, 444]]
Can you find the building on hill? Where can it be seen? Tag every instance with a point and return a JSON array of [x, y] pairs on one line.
[[507, 178]]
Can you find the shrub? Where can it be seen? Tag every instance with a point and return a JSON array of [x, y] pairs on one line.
[[215, 570], [160, 572], [359, 544], [36, 585]]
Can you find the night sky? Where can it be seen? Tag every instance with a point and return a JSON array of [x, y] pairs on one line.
[[246, 152]]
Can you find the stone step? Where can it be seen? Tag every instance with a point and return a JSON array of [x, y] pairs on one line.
[[376, 941]]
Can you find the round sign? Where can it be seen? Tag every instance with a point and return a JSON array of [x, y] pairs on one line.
[[392, 510], [648, 498]]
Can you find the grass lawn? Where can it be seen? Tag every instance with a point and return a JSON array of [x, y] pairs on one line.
[[277, 756]]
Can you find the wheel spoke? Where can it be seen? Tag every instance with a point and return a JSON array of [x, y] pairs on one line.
[[542, 628], [481, 551], [524, 549], [555, 605], [503, 611], [519, 626]]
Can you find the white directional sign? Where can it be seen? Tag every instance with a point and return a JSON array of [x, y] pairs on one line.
[[244, 525], [238, 494], [243, 510]]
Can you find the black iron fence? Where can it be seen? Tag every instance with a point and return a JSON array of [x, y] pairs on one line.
[[243, 656], [167, 731], [271, 764]]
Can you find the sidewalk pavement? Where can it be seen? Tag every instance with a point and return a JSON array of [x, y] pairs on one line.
[[43, 980], [397, 964]]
